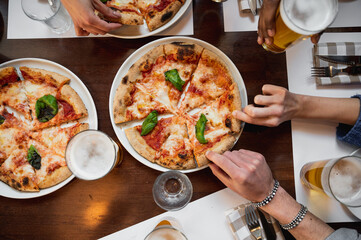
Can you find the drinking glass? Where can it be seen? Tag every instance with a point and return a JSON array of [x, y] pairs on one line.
[[172, 190], [50, 12], [167, 228], [92, 154], [339, 178], [299, 19]]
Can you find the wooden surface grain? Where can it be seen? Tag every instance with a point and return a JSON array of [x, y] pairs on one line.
[[93, 209]]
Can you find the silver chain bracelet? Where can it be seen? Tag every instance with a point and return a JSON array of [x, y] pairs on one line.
[[294, 223], [269, 197]]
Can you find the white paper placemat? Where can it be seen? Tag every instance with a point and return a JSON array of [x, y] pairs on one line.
[[236, 21], [202, 219], [316, 140], [22, 27]]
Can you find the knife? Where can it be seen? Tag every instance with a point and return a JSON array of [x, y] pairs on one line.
[[253, 6], [347, 60]]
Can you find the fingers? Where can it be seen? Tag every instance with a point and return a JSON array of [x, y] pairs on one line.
[[79, 31], [220, 174], [271, 121], [269, 89], [105, 10], [266, 23], [222, 162], [263, 112]]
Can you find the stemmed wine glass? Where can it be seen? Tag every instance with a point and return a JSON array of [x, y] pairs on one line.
[[172, 190]]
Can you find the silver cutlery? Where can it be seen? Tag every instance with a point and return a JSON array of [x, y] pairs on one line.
[[252, 222], [331, 71], [253, 6], [347, 60]]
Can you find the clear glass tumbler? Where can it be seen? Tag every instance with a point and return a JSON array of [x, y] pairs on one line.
[[50, 12], [172, 190]]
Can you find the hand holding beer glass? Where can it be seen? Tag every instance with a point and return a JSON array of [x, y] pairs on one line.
[[339, 178], [299, 19]]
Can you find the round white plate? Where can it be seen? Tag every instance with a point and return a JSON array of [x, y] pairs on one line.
[[355, 211], [142, 31], [123, 70], [84, 94]]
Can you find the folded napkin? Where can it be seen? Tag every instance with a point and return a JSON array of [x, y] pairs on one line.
[[336, 49], [237, 222], [244, 6]]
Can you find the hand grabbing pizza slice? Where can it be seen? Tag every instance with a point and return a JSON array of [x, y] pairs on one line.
[[130, 15]]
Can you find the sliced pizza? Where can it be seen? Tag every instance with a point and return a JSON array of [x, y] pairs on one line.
[[52, 101], [50, 168], [213, 127], [158, 12], [167, 144], [210, 80], [18, 173], [8, 75], [57, 138], [129, 14]]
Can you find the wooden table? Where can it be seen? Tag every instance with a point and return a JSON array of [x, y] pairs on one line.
[[89, 210]]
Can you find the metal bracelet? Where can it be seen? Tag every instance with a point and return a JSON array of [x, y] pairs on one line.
[[269, 197], [294, 223]]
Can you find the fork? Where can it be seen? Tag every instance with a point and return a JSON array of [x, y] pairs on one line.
[[331, 71], [252, 222]]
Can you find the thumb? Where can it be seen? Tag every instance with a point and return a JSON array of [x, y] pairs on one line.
[[105, 10]]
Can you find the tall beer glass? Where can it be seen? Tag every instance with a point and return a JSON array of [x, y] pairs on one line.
[[339, 178], [299, 19]]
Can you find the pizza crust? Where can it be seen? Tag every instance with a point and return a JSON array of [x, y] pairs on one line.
[[140, 145], [52, 77], [59, 175], [157, 19], [72, 97], [18, 183]]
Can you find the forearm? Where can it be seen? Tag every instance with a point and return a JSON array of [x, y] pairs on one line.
[[284, 208], [341, 110]]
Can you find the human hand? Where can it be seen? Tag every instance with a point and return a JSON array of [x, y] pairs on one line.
[[85, 20], [243, 171], [279, 105], [267, 23]]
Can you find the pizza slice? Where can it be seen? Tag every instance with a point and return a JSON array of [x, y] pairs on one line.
[[167, 144], [130, 15], [213, 127], [52, 101], [57, 138], [18, 173], [210, 80], [8, 75], [9, 120], [130, 103], [158, 12], [50, 168], [171, 71], [13, 95]]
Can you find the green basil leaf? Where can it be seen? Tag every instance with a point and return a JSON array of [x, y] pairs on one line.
[[46, 108], [173, 77], [34, 157], [149, 123], [2, 119], [200, 127]]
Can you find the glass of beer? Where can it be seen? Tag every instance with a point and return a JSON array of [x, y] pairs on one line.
[[339, 178], [92, 154], [167, 229], [299, 19]]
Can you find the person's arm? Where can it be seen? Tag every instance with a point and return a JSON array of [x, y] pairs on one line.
[[85, 20], [279, 105], [248, 174]]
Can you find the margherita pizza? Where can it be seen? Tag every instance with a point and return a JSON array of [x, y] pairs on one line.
[[192, 84], [32, 150], [156, 13]]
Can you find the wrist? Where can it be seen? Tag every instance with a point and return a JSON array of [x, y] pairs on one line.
[[300, 103]]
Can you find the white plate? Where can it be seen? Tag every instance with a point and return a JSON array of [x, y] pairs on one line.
[[142, 31], [123, 70], [355, 211], [84, 94]]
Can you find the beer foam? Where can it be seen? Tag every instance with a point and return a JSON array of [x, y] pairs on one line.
[[166, 234], [308, 17], [345, 180], [90, 155]]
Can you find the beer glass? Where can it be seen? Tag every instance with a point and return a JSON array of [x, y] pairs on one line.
[[50, 12], [339, 178], [172, 190], [92, 154], [299, 19], [168, 228]]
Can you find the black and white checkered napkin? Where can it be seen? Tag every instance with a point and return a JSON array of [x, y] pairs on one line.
[[237, 222], [336, 49]]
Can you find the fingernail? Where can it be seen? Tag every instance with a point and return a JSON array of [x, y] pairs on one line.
[[208, 152], [115, 13], [234, 114]]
